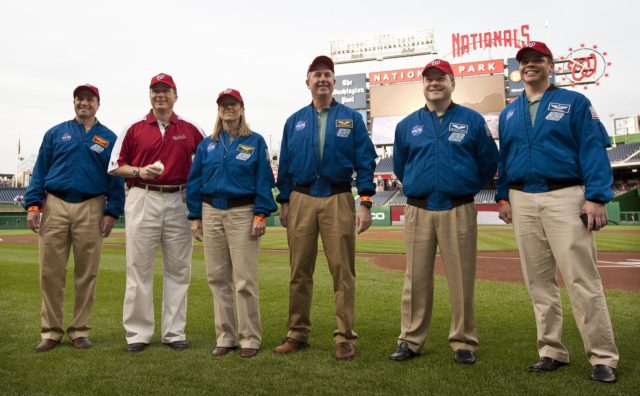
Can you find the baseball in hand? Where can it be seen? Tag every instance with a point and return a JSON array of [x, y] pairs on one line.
[[159, 165]]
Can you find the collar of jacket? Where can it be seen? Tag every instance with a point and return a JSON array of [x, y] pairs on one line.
[[333, 103], [451, 106]]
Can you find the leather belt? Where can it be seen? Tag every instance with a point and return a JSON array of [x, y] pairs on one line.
[[162, 189], [423, 202], [551, 185], [232, 202], [72, 198], [335, 189]]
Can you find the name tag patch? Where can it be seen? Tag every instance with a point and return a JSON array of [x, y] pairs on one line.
[[100, 141], [559, 107], [243, 156], [554, 116], [460, 128], [344, 123], [457, 137], [97, 148], [343, 132], [246, 149]]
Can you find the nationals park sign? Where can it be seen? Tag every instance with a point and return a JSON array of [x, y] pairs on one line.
[[495, 66]]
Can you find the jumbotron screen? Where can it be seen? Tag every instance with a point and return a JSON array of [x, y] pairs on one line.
[[391, 103]]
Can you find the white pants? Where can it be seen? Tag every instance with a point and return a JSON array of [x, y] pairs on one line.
[[156, 219]]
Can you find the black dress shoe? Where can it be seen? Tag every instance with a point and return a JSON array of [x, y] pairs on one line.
[[136, 347], [546, 364], [464, 356], [178, 345], [403, 353], [603, 373]]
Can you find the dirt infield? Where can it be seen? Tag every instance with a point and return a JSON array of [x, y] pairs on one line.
[[618, 270]]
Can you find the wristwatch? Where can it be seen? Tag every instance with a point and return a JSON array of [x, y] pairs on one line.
[[135, 172]]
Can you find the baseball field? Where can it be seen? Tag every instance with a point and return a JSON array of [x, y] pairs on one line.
[[506, 328]]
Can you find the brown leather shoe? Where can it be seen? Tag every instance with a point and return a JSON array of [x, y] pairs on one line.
[[345, 351], [221, 351], [290, 345], [248, 352], [47, 345], [81, 343]]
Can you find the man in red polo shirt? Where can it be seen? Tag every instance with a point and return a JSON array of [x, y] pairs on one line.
[[154, 155]]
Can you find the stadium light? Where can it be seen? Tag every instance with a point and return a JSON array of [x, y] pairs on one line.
[[383, 46]]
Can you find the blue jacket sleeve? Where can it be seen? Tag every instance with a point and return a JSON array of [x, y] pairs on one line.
[[399, 156], [194, 186], [264, 203], [35, 193], [285, 181], [502, 186], [593, 141], [115, 197], [487, 154], [365, 159]]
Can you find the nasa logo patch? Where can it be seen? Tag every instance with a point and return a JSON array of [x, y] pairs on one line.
[[416, 130]]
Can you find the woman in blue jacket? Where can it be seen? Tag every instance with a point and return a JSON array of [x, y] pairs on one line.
[[228, 197]]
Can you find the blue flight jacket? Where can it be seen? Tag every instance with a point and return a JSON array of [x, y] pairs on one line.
[[442, 161], [225, 170], [567, 145], [74, 163], [347, 148]]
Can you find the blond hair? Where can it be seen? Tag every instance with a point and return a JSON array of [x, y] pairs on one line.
[[243, 129]]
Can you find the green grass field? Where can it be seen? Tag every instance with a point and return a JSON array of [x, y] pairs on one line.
[[506, 331]]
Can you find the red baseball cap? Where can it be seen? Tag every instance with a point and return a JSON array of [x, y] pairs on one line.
[[90, 87], [439, 64], [234, 93], [537, 46], [321, 60], [162, 78]]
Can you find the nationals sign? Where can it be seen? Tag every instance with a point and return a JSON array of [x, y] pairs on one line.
[[462, 44]]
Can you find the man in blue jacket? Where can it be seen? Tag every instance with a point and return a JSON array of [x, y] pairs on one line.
[[82, 203], [323, 144], [554, 169], [443, 154]]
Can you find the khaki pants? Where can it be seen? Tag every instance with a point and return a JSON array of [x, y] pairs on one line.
[[455, 231], [155, 219], [231, 260], [333, 218], [65, 225], [549, 234]]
